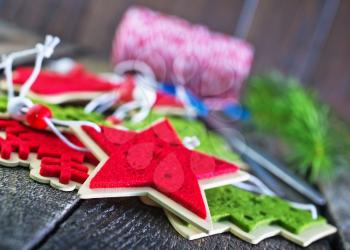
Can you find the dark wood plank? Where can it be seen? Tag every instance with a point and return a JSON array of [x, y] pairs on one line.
[[281, 33], [125, 223], [332, 76], [223, 15], [31, 14], [9, 9], [319, 38], [29, 211], [65, 20], [246, 18], [98, 25], [337, 193]]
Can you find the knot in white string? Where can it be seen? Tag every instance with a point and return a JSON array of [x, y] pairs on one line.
[[144, 94], [191, 142], [18, 106], [48, 47]]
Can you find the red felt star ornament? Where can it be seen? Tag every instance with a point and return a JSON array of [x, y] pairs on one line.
[[154, 162]]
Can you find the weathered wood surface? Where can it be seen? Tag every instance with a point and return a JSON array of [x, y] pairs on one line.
[[126, 223], [338, 195], [331, 75], [29, 211], [37, 216]]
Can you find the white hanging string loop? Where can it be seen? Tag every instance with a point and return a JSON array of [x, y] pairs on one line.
[[19, 105], [43, 51], [144, 98], [259, 187], [191, 142], [51, 124], [102, 103], [181, 94], [144, 94]]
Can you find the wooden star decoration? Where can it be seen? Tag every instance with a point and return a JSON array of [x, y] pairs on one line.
[[154, 163], [254, 218]]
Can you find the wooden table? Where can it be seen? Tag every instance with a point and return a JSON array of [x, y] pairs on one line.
[[36, 216]]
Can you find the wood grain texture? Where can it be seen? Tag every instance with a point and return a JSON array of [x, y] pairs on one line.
[[98, 23], [9, 9], [332, 76], [92, 23], [338, 195], [281, 33], [29, 210], [125, 223], [65, 19], [31, 14]]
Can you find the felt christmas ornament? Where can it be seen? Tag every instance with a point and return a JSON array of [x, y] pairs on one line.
[[254, 218], [49, 159], [53, 87], [154, 162], [210, 142]]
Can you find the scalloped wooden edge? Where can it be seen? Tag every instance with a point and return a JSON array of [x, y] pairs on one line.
[[204, 224], [58, 98], [308, 236], [33, 163]]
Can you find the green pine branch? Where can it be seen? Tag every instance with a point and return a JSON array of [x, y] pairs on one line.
[[281, 106]]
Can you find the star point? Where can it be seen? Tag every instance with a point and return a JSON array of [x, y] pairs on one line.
[[152, 162]]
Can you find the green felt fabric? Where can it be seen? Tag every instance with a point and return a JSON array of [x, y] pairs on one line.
[[3, 103], [210, 142], [76, 114], [248, 210]]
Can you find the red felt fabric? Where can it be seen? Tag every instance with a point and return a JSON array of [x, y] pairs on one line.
[[166, 100], [155, 157], [58, 159], [52, 83]]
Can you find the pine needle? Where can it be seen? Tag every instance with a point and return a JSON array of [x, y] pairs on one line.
[[281, 106]]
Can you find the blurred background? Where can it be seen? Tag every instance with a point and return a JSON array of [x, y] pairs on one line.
[[306, 39]]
